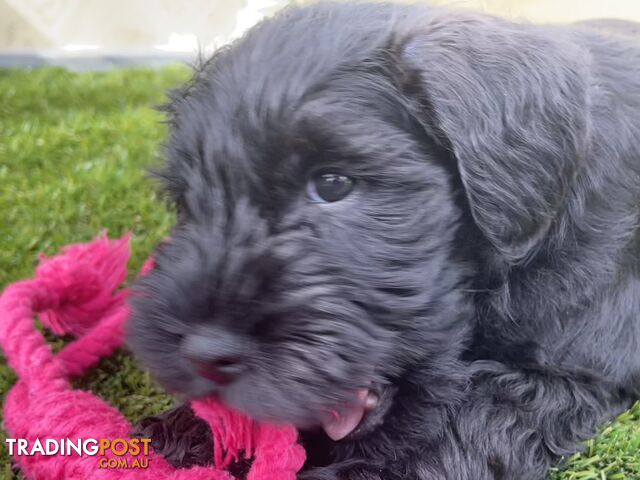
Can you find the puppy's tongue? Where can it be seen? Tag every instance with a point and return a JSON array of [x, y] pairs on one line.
[[340, 424]]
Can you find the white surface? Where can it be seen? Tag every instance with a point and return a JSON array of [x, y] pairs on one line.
[[188, 25], [169, 25]]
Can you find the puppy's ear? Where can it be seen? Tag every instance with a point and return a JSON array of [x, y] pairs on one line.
[[511, 101]]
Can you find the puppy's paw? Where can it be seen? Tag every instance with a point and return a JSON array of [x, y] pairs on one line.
[[349, 471], [181, 437]]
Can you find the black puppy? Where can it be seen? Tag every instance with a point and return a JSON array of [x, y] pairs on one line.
[[411, 232]]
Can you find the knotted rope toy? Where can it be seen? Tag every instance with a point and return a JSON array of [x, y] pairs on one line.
[[76, 293]]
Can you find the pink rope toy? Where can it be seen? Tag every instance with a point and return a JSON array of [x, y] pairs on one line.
[[76, 293]]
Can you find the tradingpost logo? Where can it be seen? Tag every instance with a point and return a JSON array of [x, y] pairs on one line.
[[120, 453]]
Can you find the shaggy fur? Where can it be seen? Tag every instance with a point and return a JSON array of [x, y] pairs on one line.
[[482, 277]]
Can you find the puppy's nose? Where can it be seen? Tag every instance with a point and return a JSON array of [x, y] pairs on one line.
[[216, 354]]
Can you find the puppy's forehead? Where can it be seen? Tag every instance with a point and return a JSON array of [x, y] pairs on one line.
[[252, 86], [282, 58], [239, 121]]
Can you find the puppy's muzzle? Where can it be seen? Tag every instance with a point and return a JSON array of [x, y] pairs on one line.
[[217, 355]]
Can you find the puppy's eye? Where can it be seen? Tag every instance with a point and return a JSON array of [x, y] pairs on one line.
[[329, 187]]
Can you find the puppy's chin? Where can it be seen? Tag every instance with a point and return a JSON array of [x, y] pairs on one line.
[[375, 415], [362, 417], [348, 416]]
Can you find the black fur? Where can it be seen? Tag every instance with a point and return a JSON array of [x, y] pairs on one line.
[[483, 274], [172, 431]]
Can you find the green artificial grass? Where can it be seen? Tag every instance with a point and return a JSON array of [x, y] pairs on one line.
[[73, 153]]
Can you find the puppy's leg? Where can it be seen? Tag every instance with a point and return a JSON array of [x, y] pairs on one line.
[[185, 440], [179, 435], [357, 471], [516, 423], [513, 425]]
